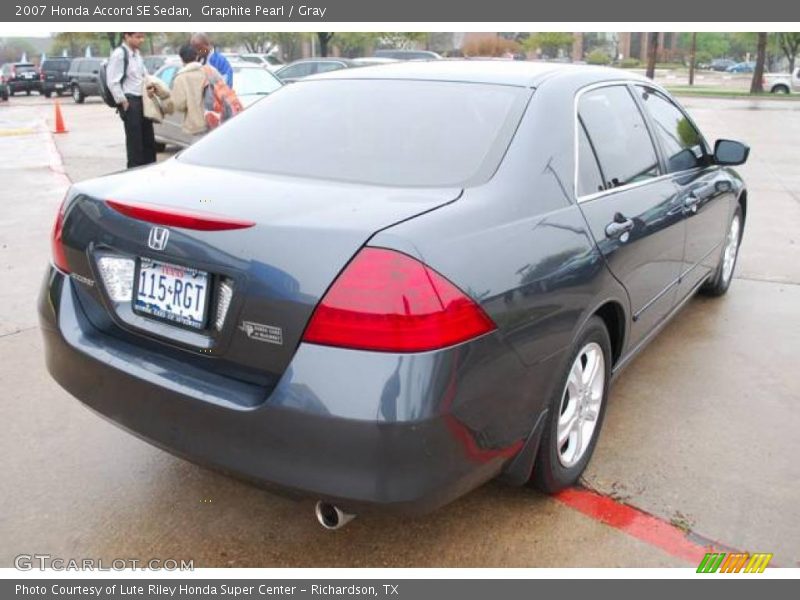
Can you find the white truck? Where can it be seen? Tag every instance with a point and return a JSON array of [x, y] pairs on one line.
[[782, 83]]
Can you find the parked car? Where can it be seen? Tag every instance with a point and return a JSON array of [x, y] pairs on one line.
[[155, 61], [782, 83], [251, 82], [84, 78], [398, 54], [742, 67], [721, 64], [270, 61], [384, 287], [21, 77], [55, 75], [304, 67]]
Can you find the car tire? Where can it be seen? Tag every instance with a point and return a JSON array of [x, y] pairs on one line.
[[27, 92], [780, 89], [47, 94], [720, 281], [77, 95], [577, 407], [160, 146]]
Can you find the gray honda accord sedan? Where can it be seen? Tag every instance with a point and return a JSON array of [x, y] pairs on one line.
[[384, 287]]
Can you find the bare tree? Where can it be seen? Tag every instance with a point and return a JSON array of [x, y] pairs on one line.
[[757, 84], [790, 44], [652, 54], [692, 58]]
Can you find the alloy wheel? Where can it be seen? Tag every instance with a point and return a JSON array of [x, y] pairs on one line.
[[580, 404], [731, 249]]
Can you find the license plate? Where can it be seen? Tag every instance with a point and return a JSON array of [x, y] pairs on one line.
[[27, 75], [172, 292], [59, 86]]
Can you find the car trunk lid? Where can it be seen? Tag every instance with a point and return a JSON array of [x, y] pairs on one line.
[[298, 235]]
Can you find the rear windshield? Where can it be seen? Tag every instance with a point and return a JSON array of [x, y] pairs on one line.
[[382, 132], [56, 65], [24, 68]]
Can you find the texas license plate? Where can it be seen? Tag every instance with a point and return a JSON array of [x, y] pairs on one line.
[[172, 292]]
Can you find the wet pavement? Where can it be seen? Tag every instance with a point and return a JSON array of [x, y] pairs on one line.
[[701, 430]]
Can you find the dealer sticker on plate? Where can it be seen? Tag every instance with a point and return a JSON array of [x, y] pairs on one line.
[[172, 293]]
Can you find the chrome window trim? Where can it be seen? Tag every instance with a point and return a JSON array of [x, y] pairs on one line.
[[576, 124]]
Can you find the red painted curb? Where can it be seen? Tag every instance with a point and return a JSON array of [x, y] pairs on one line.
[[636, 523]]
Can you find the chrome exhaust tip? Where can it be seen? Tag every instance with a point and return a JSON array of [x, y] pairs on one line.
[[330, 516]]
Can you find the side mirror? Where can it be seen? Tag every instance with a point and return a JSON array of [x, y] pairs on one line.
[[729, 152]]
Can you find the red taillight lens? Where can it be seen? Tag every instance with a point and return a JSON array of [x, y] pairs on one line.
[[59, 256], [174, 217], [385, 300]]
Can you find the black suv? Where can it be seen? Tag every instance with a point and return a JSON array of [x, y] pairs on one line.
[[21, 77], [54, 75], [84, 78]]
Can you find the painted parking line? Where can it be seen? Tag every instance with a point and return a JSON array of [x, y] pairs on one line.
[[638, 524]]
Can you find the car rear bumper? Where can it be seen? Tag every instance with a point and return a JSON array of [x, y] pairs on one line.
[[24, 85], [362, 430]]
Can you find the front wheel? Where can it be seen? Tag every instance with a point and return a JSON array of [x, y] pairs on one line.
[[723, 275], [77, 95], [47, 94], [576, 411]]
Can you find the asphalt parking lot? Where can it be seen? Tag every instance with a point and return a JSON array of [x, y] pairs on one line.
[[701, 432]]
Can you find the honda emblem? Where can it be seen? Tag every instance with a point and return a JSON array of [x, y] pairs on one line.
[[158, 238]]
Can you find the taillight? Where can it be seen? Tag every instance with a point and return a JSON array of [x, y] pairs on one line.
[[388, 301], [174, 217], [59, 256]]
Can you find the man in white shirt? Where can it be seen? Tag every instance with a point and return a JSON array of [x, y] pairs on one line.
[[126, 87]]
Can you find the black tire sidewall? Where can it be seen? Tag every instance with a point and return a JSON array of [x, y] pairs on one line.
[[549, 475]]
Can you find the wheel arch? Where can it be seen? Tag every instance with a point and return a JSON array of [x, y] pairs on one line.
[[613, 316]]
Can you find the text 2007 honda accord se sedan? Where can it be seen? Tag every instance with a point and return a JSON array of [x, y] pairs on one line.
[[386, 286]]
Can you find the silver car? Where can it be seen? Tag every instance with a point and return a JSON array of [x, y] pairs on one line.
[[251, 82]]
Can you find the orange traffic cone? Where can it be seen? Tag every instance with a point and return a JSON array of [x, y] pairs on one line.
[[59, 120]]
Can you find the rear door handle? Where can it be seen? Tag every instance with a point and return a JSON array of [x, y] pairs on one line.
[[619, 227]]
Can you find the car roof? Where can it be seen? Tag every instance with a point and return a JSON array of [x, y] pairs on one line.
[[511, 72]]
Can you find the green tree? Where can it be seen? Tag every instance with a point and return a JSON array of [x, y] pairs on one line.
[[550, 43], [789, 44], [356, 43], [324, 39], [12, 49]]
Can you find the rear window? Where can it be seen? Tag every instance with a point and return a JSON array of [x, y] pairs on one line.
[[25, 68], [381, 132], [253, 82], [56, 65]]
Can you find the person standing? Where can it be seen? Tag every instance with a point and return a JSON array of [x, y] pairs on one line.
[[126, 85], [208, 55], [188, 89]]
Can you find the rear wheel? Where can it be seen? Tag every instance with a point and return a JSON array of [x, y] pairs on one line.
[[723, 275], [160, 146], [780, 89], [77, 95], [576, 411], [47, 94], [27, 92]]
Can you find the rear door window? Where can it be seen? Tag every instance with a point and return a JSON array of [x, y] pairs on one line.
[[619, 136], [684, 147]]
